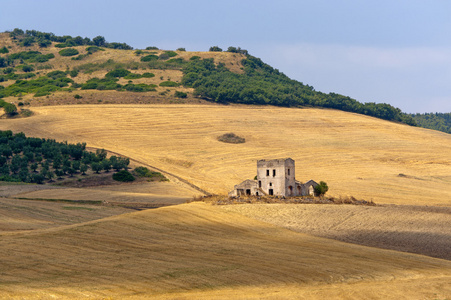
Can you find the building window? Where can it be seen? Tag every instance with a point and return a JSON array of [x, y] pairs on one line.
[[273, 173], [271, 192], [270, 184], [259, 183], [288, 172], [267, 172], [248, 192]]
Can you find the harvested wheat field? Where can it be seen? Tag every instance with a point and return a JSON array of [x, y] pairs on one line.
[[197, 250], [356, 155], [416, 229]]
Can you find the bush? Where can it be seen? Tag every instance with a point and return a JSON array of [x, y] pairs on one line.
[[145, 172], [321, 188], [215, 49], [118, 73], [148, 75], [93, 49], [4, 50], [152, 48], [56, 74], [123, 176], [181, 49], [149, 57], [195, 57], [73, 73], [180, 94], [231, 138], [169, 84], [133, 76], [69, 52], [27, 68]]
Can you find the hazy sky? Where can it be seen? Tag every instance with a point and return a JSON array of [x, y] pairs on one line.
[[392, 51]]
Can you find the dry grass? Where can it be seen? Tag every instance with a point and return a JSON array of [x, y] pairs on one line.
[[416, 229], [198, 250], [356, 155]]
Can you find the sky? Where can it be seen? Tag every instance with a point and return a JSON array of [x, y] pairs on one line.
[[383, 51]]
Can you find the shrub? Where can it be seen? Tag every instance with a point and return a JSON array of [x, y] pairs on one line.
[[77, 96], [118, 73], [61, 45], [321, 188], [27, 68], [69, 52], [133, 76], [164, 56], [171, 53], [169, 84], [56, 74], [145, 172], [231, 138], [149, 57], [123, 176], [93, 49], [215, 49], [195, 57], [4, 50], [181, 49], [73, 73], [180, 94], [148, 75], [152, 48]]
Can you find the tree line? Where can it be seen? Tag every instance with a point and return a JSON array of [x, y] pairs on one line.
[[44, 39], [436, 121], [263, 85]]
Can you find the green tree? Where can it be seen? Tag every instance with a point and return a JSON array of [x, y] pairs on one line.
[[83, 169], [215, 49], [321, 188], [96, 167]]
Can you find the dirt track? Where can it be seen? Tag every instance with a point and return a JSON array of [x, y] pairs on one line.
[[416, 229]]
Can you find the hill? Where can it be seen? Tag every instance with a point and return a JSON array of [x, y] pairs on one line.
[[356, 155], [197, 251], [225, 77]]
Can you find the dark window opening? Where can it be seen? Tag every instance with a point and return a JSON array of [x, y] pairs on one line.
[[290, 190], [270, 184], [259, 183], [267, 172], [273, 173], [271, 192], [256, 193], [288, 172], [248, 192]]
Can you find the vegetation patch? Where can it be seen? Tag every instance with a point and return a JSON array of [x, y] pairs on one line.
[[68, 52], [149, 57], [231, 138], [145, 172], [169, 84], [123, 176]]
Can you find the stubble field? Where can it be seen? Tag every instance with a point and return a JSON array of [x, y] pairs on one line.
[[356, 155], [62, 250]]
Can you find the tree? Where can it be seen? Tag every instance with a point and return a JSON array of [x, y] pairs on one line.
[[34, 166], [99, 41], [215, 49], [83, 169], [321, 188], [106, 164], [96, 167]]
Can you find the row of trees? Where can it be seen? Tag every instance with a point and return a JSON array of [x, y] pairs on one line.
[[24, 159], [45, 39], [263, 85], [437, 121]]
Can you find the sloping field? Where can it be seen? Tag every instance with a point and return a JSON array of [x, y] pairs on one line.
[[198, 250], [356, 155], [416, 229]]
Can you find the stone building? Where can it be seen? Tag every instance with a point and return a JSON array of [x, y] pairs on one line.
[[275, 177]]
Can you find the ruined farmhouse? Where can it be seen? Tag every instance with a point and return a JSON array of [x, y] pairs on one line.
[[275, 177]]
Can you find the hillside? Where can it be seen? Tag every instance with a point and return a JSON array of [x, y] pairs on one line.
[[37, 64], [197, 251], [356, 155]]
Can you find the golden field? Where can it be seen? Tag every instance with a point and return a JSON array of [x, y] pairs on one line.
[[200, 251], [70, 250], [356, 155]]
